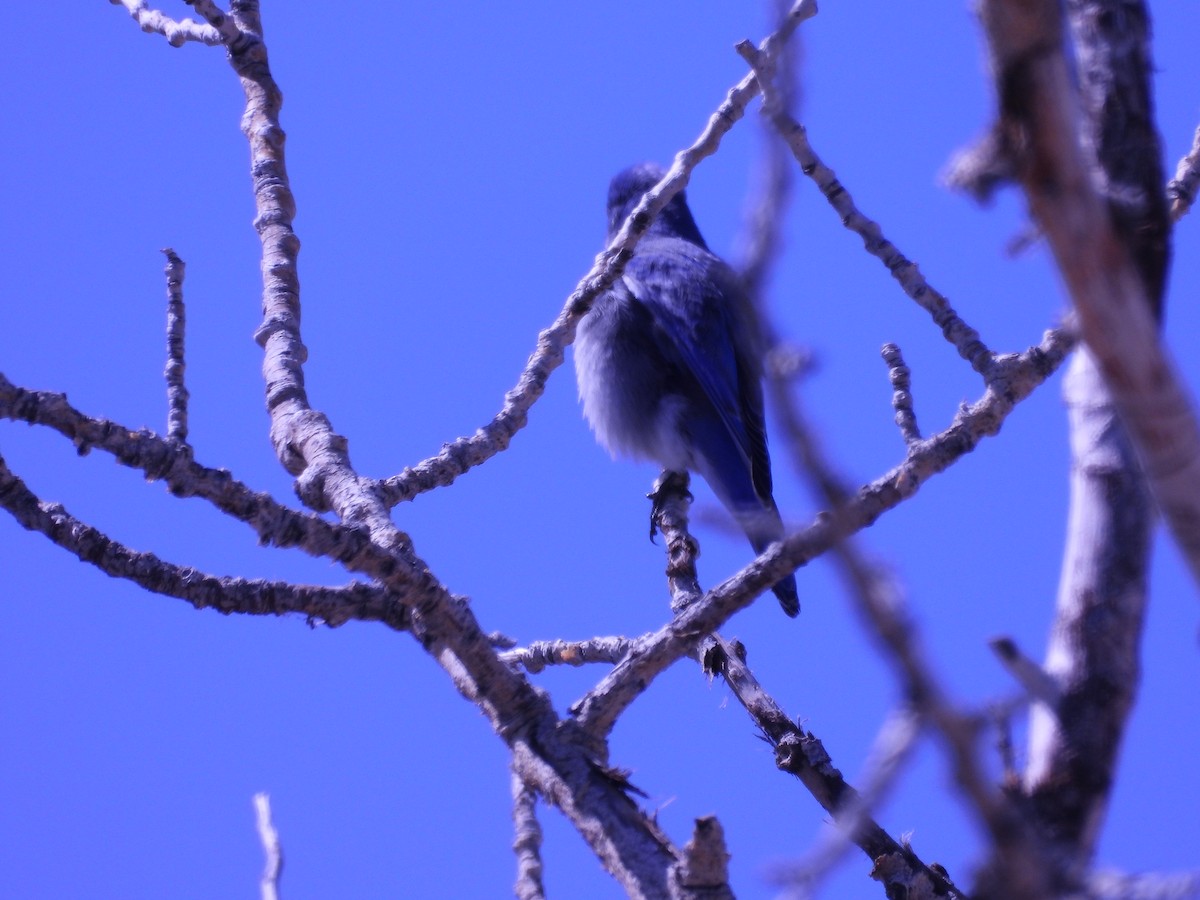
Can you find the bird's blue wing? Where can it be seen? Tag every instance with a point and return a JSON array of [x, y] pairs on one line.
[[705, 327]]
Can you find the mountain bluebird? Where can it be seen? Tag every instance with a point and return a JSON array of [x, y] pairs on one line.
[[669, 368]]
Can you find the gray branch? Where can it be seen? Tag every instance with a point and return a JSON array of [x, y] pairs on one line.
[[902, 401], [1089, 160], [802, 754], [896, 866], [540, 654], [891, 749], [332, 605]]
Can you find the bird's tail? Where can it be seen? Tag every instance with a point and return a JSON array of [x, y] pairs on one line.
[[763, 526]]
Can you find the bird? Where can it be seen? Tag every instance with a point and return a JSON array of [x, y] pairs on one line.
[[669, 369]]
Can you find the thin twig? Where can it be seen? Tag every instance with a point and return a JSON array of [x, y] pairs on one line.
[[1181, 190], [902, 401], [177, 392], [272, 849], [177, 33], [540, 654]]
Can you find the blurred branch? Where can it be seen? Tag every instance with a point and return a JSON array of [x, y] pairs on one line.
[[527, 842], [1088, 156], [1181, 190], [761, 241], [178, 33], [1038, 684], [1112, 286], [272, 850], [1143, 886], [897, 867], [704, 866]]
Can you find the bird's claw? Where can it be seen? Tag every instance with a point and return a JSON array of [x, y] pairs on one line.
[[669, 484]]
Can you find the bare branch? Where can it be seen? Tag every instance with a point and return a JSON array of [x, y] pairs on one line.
[[1023, 872], [177, 392], [902, 402], [160, 459], [527, 842], [1083, 143], [1093, 656], [540, 654], [334, 606], [565, 767], [153, 21], [561, 764], [272, 849], [802, 754], [891, 749], [964, 338], [728, 658], [442, 622]]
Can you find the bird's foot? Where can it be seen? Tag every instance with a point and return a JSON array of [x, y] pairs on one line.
[[667, 487]]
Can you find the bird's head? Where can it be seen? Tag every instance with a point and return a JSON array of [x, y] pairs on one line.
[[627, 188]]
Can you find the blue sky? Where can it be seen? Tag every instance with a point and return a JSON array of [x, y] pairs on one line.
[[450, 168]]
